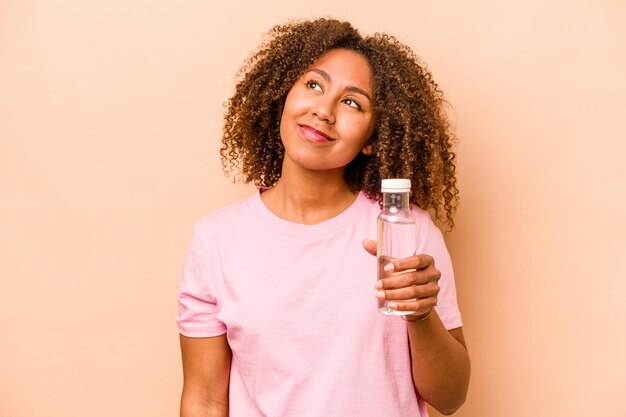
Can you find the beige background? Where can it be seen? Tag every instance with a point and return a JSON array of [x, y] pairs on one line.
[[110, 118]]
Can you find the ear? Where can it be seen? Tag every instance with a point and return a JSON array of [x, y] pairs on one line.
[[367, 150]]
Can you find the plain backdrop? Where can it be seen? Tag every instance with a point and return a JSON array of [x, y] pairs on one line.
[[110, 122]]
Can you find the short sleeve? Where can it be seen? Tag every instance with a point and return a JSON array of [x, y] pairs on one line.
[[432, 243], [197, 305]]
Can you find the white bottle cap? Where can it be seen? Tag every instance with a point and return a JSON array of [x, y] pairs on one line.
[[396, 185]]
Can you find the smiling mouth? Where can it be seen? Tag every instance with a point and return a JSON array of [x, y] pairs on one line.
[[314, 135]]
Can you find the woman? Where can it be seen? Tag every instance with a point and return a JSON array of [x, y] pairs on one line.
[[277, 306]]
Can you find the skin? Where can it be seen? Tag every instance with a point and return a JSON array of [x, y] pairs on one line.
[[439, 358], [206, 375], [327, 120], [332, 97]]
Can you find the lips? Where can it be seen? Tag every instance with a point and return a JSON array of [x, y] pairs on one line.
[[314, 135]]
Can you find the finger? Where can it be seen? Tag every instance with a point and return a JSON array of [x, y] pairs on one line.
[[393, 281], [430, 289], [412, 262], [370, 246], [419, 306]]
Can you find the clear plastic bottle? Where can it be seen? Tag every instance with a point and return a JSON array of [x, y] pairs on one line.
[[397, 236]]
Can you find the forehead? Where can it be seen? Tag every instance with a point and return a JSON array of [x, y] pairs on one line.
[[346, 67]]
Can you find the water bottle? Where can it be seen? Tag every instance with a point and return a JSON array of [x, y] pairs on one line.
[[397, 236]]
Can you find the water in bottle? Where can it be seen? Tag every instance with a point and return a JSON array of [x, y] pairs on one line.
[[397, 236]]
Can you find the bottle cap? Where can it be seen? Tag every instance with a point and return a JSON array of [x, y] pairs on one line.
[[395, 185]]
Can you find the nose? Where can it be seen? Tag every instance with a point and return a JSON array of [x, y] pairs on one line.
[[324, 110]]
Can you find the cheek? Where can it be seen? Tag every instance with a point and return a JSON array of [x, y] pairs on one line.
[[287, 113], [294, 103], [360, 132]]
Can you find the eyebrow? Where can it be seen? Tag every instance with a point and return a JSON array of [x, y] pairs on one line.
[[351, 88]]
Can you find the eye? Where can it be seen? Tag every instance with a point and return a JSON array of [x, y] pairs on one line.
[[350, 102], [314, 85]]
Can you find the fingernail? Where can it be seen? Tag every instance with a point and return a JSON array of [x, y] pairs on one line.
[[389, 267], [378, 285], [392, 305], [380, 295]]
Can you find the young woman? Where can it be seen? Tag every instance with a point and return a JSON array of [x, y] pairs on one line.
[[277, 309]]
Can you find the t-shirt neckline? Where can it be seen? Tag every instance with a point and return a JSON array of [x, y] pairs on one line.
[[332, 225]]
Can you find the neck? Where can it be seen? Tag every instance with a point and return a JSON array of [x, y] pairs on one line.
[[310, 197]]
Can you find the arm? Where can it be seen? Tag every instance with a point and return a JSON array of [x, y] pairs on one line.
[[206, 372], [440, 363], [439, 359]]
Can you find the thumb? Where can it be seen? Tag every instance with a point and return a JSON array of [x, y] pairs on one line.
[[370, 246]]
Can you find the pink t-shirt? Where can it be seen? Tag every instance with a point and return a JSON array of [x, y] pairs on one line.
[[297, 304]]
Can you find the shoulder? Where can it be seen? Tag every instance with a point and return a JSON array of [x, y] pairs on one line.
[[225, 218], [429, 235], [368, 204], [423, 221], [421, 215]]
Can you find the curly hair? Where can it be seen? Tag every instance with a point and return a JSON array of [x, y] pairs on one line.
[[411, 136]]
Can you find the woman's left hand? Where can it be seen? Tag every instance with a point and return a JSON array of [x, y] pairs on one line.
[[411, 284]]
